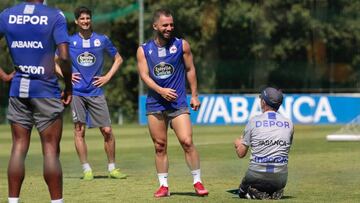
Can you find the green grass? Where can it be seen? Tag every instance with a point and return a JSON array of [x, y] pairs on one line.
[[319, 171]]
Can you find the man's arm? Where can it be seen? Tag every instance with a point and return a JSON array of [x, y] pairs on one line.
[[75, 76], [240, 148], [4, 76], [242, 144], [191, 75], [143, 70], [65, 66], [57, 67], [102, 80]]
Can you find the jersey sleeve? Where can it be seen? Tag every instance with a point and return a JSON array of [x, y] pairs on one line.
[[110, 48], [60, 33], [247, 134]]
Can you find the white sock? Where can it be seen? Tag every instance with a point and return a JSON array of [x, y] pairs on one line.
[[163, 179], [57, 201], [196, 175], [13, 199], [111, 166], [86, 167]]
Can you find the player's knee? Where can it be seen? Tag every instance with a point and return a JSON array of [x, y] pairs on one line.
[[187, 144], [160, 148], [106, 131], [79, 134], [79, 130]]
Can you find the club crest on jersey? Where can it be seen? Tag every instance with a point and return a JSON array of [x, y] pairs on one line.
[[86, 59], [163, 70], [97, 43], [173, 49], [29, 9]]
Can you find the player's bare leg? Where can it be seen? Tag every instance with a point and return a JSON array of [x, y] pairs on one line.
[[109, 143], [80, 144], [50, 140], [158, 131], [182, 127], [81, 149], [183, 130], [16, 167], [109, 146]]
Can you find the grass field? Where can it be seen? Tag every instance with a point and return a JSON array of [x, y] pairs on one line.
[[319, 171]]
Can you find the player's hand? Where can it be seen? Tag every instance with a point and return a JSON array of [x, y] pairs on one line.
[[75, 78], [169, 94], [66, 97], [195, 103], [100, 81], [238, 142], [9, 77]]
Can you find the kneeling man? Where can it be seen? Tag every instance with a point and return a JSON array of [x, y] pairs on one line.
[[269, 136]]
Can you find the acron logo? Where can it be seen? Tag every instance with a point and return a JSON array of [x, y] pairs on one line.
[[86, 59]]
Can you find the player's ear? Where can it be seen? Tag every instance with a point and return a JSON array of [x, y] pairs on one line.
[[154, 26], [263, 103], [76, 22]]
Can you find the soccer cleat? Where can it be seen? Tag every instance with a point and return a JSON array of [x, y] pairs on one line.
[[253, 193], [116, 174], [162, 192], [88, 175], [200, 189], [277, 194]]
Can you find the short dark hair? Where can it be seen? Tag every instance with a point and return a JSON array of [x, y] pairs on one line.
[[82, 9], [159, 12]]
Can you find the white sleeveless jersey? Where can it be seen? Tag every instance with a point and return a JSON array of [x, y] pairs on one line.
[[270, 136]]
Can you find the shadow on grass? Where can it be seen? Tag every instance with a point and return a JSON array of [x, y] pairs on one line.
[[236, 192], [192, 194], [101, 177], [95, 177]]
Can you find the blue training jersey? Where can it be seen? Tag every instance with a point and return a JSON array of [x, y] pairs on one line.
[[87, 56], [32, 31], [167, 69]]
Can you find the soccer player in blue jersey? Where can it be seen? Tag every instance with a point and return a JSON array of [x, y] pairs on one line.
[[164, 63], [33, 31], [270, 137], [87, 49]]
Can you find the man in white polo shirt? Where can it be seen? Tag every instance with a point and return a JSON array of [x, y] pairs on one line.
[[269, 136]]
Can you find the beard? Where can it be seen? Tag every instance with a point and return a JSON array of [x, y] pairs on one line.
[[163, 37]]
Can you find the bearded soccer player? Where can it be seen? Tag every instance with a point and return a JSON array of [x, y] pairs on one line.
[[33, 31], [164, 63], [89, 106]]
